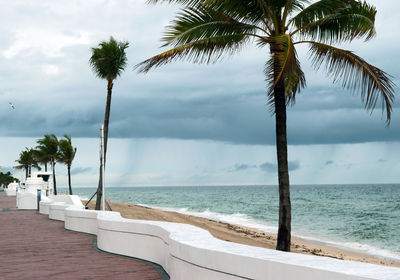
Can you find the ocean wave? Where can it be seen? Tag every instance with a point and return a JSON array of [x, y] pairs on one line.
[[240, 219], [83, 197], [235, 219]]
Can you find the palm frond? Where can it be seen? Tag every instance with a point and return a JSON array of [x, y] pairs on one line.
[[246, 11], [317, 11], [284, 65], [335, 21], [188, 3], [48, 146], [292, 6], [354, 73], [67, 152], [194, 24], [207, 50]]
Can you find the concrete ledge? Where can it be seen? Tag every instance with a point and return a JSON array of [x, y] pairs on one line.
[[26, 201], [80, 220], [10, 192], [145, 241], [57, 210], [44, 206], [188, 252]]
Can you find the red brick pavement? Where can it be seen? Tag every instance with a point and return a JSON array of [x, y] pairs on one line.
[[34, 247]]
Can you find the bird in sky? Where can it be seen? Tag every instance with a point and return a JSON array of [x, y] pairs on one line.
[[12, 105]]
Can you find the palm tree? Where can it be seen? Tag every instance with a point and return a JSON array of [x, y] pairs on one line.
[[108, 61], [7, 178], [41, 157], [26, 161], [205, 30], [49, 146], [66, 155]]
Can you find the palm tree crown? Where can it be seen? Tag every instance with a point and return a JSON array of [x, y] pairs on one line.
[[41, 156], [48, 145], [66, 155], [109, 59], [205, 30], [26, 161]]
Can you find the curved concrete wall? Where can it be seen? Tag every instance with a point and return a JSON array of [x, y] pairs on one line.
[[82, 221], [44, 205], [10, 192], [26, 201], [188, 252]]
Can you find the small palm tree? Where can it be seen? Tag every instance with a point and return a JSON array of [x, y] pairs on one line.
[[26, 161], [207, 29], [49, 146], [66, 155], [108, 61]]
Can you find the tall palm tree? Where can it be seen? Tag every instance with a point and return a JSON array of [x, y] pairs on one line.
[[26, 161], [66, 155], [205, 30], [108, 61], [49, 146]]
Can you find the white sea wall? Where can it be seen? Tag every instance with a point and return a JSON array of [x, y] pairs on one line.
[[188, 252], [82, 221], [58, 204], [26, 200], [10, 192]]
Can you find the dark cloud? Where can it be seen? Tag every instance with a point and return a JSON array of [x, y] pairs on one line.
[[223, 102], [80, 170], [294, 165], [382, 160], [240, 167], [273, 167], [329, 162], [241, 118], [269, 167]]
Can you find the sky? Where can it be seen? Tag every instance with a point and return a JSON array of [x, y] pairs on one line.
[[183, 124]]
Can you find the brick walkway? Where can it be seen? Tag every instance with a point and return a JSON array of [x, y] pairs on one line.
[[34, 247]]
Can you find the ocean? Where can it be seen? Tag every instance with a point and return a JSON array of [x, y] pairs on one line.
[[365, 218]]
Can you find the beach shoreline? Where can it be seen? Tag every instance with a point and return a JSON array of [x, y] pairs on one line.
[[245, 235]]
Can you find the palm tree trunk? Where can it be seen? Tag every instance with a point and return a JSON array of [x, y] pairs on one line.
[[69, 179], [30, 170], [106, 121], [26, 172], [54, 177], [284, 230], [45, 166]]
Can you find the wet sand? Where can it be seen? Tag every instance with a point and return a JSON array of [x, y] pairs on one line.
[[244, 235]]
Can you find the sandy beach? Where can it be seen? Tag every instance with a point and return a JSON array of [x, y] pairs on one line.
[[243, 235]]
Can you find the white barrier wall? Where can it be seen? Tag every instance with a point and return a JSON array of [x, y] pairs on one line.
[[46, 202], [188, 252], [82, 221], [10, 192], [26, 201]]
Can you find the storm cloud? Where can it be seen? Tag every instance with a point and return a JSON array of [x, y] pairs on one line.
[[81, 170], [45, 73], [240, 118], [273, 167]]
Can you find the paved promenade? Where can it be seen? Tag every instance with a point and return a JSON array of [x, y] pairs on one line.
[[34, 247]]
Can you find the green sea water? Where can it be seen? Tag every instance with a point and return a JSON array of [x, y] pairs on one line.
[[361, 217]]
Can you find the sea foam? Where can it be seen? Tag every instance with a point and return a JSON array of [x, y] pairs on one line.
[[240, 219]]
